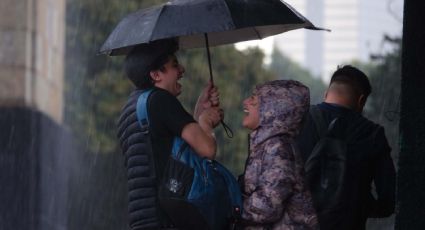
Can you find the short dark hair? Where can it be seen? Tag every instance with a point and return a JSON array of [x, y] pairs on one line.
[[145, 58], [138, 74], [353, 77]]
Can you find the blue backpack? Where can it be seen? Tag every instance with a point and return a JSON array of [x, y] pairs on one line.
[[195, 192]]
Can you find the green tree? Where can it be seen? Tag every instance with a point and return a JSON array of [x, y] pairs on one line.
[[284, 68], [94, 87]]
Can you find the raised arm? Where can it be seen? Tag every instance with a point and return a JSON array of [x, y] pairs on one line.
[[200, 135]]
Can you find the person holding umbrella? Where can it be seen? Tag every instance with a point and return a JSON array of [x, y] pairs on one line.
[[202, 23], [155, 66], [275, 194]]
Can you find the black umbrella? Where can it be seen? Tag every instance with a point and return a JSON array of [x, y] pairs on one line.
[[223, 21], [199, 23]]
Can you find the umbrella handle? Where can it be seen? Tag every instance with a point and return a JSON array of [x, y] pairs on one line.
[[227, 129]]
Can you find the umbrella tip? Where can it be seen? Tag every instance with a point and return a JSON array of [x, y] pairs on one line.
[[318, 28], [104, 52]]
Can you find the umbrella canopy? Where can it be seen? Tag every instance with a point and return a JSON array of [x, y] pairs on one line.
[[191, 21]]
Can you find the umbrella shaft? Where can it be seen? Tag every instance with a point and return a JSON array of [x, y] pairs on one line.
[[226, 128], [209, 58]]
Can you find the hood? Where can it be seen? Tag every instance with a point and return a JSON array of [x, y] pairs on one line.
[[282, 104]]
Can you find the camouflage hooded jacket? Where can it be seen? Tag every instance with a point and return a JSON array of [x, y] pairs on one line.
[[275, 193]]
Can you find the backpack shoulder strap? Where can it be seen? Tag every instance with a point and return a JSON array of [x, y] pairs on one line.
[[318, 120], [143, 120], [142, 108]]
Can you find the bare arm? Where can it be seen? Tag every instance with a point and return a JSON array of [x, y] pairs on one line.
[[200, 135], [202, 142]]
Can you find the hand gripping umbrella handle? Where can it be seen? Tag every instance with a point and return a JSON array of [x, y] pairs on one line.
[[226, 128]]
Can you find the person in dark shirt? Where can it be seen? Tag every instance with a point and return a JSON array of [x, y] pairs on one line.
[[368, 161], [155, 66]]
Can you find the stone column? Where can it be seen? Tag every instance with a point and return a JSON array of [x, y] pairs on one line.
[[32, 55], [35, 148]]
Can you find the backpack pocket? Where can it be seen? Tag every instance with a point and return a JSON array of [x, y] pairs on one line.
[[177, 179]]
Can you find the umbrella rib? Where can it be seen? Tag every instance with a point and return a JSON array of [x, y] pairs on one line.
[[156, 21]]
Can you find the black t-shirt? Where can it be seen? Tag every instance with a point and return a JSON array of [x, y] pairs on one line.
[[167, 118]]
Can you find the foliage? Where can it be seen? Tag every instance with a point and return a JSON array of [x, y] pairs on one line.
[[94, 87], [285, 68]]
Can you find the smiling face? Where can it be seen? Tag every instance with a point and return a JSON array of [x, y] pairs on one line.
[[251, 107], [167, 77]]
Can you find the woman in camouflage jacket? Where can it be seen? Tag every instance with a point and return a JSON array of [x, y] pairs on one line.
[[275, 195]]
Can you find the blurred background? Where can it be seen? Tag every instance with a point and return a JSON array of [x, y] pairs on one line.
[[60, 164]]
